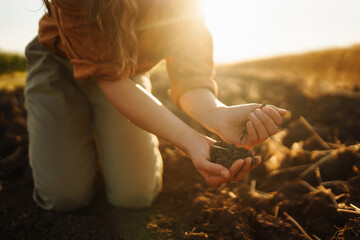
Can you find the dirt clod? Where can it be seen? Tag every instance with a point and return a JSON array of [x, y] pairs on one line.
[[226, 154]]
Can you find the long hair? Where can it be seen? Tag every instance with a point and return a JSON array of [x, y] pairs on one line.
[[115, 21]]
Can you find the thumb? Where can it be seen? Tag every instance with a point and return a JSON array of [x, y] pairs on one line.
[[214, 169]]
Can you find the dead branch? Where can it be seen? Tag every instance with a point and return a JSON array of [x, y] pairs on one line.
[[297, 225]]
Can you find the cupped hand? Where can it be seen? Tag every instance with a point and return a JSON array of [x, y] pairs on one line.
[[216, 174], [246, 125]]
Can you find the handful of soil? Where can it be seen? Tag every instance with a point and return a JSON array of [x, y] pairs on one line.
[[226, 154]]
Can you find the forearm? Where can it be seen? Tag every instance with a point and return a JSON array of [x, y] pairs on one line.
[[147, 112], [231, 122], [200, 103]]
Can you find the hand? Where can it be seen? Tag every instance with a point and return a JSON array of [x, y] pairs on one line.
[[230, 123], [216, 174]]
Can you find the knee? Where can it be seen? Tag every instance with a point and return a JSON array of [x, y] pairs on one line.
[[135, 198], [63, 200]]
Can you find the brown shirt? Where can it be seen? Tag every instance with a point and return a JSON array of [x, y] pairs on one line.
[[163, 32]]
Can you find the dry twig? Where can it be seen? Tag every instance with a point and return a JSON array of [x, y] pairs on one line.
[[340, 196], [332, 155], [232, 195], [318, 175], [306, 184], [348, 211], [317, 136], [316, 237], [253, 185], [276, 210], [297, 225], [355, 207]]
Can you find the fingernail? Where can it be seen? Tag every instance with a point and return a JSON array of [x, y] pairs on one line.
[[252, 116], [259, 112], [266, 109], [224, 173]]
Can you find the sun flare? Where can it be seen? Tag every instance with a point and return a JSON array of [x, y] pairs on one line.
[[246, 29], [225, 19]]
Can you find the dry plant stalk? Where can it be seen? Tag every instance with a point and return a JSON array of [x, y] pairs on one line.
[[340, 196], [332, 154], [348, 211], [316, 237], [232, 195], [253, 186], [297, 225], [276, 211], [318, 175], [355, 207], [317, 136], [306, 184]]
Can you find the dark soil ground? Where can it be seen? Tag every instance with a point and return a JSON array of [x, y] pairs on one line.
[[301, 178]]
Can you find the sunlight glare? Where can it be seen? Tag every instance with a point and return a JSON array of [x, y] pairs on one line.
[[248, 29], [225, 19]]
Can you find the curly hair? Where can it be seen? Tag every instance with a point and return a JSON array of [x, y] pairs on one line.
[[114, 20]]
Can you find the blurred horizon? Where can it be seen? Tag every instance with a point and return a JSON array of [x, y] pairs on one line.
[[243, 30]]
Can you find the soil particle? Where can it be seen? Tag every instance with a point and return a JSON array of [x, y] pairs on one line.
[[226, 154]]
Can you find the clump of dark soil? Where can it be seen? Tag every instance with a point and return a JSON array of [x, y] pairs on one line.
[[226, 154]]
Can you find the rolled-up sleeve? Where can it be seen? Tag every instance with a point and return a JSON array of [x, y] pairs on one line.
[[190, 64]]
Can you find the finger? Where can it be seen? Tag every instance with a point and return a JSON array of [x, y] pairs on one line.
[[213, 169], [235, 167], [244, 170], [281, 111], [252, 136], [275, 116], [268, 123], [257, 162], [260, 129]]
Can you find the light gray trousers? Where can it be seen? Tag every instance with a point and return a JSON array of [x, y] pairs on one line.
[[63, 115]]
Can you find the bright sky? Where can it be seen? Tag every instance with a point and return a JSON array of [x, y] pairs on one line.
[[242, 29], [248, 29]]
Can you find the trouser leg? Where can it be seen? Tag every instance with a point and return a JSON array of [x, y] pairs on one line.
[[130, 158], [61, 147]]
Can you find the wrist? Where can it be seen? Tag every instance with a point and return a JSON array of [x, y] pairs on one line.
[[193, 143], [202, 105], [214, 118]]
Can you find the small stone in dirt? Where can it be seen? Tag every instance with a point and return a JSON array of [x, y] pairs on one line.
[[226, 154]]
